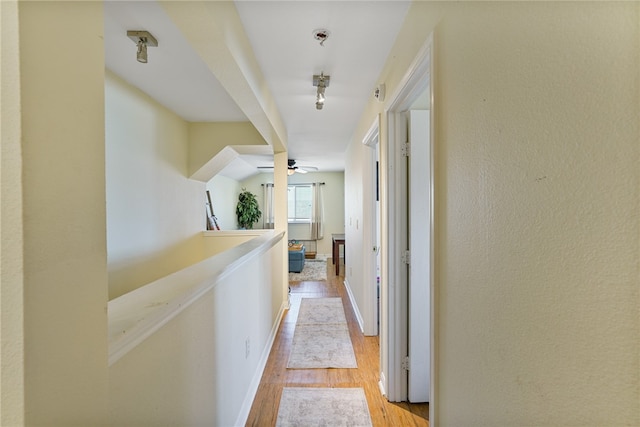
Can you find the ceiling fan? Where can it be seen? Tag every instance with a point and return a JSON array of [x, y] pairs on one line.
[[292, 168]]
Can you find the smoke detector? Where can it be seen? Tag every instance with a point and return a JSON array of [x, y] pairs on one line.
[[321, 35]]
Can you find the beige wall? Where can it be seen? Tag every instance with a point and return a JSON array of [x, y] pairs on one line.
[[56, 366], [215, 242], [210, 146], [11, 224], [537, 227], [154, 212], [214, 30]]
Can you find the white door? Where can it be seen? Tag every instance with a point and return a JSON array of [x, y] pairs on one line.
[[371, 240], [419, 238], [376, 237]]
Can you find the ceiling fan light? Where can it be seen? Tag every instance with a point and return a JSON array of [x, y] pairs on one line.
[[291, 171]]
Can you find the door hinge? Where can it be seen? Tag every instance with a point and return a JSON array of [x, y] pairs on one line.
[[405, 363], [406, 257], [406, 149]]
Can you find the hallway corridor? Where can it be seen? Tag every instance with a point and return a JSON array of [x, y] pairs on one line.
[[276, 376]]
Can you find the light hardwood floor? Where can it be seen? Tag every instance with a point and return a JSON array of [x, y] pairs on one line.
[[276, 376]]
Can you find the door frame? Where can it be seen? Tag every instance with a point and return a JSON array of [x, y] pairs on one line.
[[371, 307], [418, 77]]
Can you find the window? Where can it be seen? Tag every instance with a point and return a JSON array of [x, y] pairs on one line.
[[299, 203]]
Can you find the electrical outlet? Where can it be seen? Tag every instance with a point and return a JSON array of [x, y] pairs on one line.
[[247, 348]]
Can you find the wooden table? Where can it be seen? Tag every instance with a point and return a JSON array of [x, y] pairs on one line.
[[338, 239]]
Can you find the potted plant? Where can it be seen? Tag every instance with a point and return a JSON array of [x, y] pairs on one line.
[[248, 210]]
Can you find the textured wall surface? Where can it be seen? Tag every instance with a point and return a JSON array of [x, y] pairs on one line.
[[537, 228], [11, 224], [63, 194], [538, 207]]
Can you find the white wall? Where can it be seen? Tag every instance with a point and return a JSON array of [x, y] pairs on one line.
[[356, 221], [224, 197], [537, 227], [333, 204], [154, 212]]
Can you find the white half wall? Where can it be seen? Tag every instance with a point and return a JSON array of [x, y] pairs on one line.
[[190, 349]]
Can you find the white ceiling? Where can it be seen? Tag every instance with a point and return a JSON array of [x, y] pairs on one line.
[[281, 34]]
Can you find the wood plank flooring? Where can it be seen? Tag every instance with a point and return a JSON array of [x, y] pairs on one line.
[[264, 411]]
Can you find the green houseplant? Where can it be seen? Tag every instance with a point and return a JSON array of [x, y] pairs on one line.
[[248, 210]]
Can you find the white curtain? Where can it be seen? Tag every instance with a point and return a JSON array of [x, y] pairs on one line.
[[317, 211], [267, 210]]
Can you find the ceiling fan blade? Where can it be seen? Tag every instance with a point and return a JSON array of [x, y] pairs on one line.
[[292, 168]]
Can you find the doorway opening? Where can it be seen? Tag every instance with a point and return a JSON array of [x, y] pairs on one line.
[[407, 333], [371, 240]]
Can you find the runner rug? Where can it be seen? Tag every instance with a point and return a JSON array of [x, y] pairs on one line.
[[313, 270], [306, 406], [321, 337]]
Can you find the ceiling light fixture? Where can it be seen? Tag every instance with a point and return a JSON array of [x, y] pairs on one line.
[[321, 82], [142, 39]]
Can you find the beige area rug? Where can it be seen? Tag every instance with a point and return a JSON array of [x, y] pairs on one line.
[[314, 270], [313, 311], [321, 337], [305, 406]]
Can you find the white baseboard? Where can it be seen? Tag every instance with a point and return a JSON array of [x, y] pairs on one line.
[[354, 305], [262, 363]]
